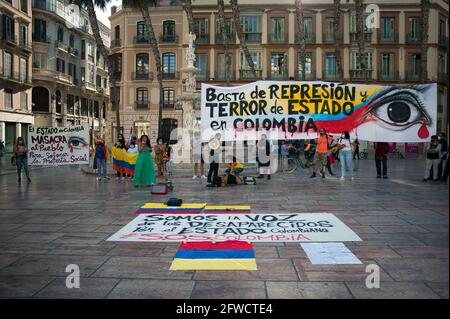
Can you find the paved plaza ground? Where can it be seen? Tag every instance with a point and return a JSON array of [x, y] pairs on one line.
[[64, 217]]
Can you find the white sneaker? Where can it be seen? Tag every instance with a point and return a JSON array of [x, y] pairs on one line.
[[99, 178], [342, 179], [194, 177], [204, 177]]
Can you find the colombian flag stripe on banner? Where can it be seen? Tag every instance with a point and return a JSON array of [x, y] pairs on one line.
[[122, 161], [229, 209], [160, 208], [227, 255]]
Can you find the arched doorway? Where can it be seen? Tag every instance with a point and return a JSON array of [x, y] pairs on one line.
[[40, 99]]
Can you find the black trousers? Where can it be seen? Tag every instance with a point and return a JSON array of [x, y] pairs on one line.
[[378, 163], [213, 171]]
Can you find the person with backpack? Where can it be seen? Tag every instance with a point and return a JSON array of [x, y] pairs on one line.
[[345, 155], [432, 159], [321, 155]]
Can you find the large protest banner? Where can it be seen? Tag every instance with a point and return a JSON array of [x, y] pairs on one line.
[[297, 110], [58, 145], [246, 227]]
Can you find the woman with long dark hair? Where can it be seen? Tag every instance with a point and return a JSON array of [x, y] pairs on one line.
[[144, 169], [20, 153], [345, 154]]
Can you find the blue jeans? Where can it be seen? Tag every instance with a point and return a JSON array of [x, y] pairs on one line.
[[101, 166], [22, 161], [346, 160]]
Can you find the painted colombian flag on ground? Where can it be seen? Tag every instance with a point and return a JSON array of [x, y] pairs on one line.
[[160, 208], [227, 255], [122, 161]]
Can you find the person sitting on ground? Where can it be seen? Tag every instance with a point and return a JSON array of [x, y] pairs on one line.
[[235, 167]]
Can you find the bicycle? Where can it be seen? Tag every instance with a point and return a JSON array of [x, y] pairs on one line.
[[294, 162], [363, 154]]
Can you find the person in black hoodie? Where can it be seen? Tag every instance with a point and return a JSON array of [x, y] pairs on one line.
[[213, 163]]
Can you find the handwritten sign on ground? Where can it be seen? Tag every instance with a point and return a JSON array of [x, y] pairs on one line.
[[58, 145], [318, 227]]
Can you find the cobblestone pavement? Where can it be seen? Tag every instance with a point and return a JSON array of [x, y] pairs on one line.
[[64, 217]]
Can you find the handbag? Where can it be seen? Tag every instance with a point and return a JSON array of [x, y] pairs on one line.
[[13, 160]]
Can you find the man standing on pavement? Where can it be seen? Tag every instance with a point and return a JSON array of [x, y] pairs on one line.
[[381, 152], [322, 145]]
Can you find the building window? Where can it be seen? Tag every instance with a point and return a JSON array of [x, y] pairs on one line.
[[330, 65], [70, 104], [414, 69], [223, 67], [277, 30], [23, 35], [141, 33], [72, 41], [23, 70], [39, 60], [142, 65], [367, 60], [201, 64], [169, 28], [278, 65], [117, 32], [328, 34], [8, 27], [387, 30], [24, 5], [73, 72], [40, 30], [24, 101], [387, 65], [83, 74], [308, 29], [60, 65], [8, 64], [415, 32], [354, 28], [60, 35], [91, 73], [251, 28], [201, 29], [141, 98], [229, 26], [8, 93], [256, 58], [169, 65], [83, 49], [308, 65], [169, 97]]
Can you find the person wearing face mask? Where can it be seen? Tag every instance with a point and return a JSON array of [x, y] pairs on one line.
[[345, 154], [20, 153], [321, 155], [432, 159], [132, 149], [160, 155]]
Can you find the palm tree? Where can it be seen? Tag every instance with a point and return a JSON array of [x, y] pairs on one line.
[[242, 42], [301, 35], [337, 38], [92, 17], [143, 6], [425, 6], [359, 8], [223, 31]]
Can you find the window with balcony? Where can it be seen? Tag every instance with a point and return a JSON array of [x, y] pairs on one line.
[[83, 74], [40, 30], [73, 72], [201, 64], [358, 71], [141, 33], [8, 93], [8, 27], [60, 35], [70, 104], [308, 66], [251, 28], [98, 81], [116, 41], [224, 67], [96, 110], [169, 97], [308, 29], [201, 30], [277, 34], [245, 71], [90, 52], [328, 32], [228, 32], [354, 28], [23, 70], [414, 31], [60, 65], [141, 98], [142, 66], [7, 65], [84, 107], [278, 66], [443, 39], [330, 66], [90, 73], [168, 31], [387, 30], [72, 41], [414, 67], [168, 65], [387, 71], [39, 60], [24, 5]]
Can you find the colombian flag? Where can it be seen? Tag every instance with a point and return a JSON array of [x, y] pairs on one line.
[[227, 209], [160, 208], [227, 255], [122, 161]]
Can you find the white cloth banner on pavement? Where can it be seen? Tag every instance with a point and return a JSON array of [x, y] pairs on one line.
[[58, 145], [329, 254], [317, 227]]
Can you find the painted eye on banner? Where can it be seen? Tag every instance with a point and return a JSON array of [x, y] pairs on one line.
[[400, 108], [76, 142]]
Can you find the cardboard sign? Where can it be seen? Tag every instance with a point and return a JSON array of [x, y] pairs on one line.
[[298, 110], [320, 227], [58, 145]]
